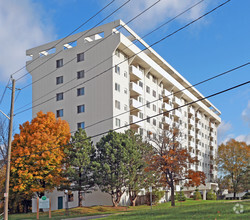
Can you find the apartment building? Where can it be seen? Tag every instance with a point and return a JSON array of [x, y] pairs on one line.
[[100, 79]]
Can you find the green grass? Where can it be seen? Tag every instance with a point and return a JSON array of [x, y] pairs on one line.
[[189, 209]]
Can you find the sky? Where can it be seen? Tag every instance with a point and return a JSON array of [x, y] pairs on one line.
[[214, 44]]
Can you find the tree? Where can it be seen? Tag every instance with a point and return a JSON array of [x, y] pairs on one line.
[[37, 154], [233, 160], [138, 151], [111, 165], [172, 162], [79, 160], [197, 195], [3, 137]]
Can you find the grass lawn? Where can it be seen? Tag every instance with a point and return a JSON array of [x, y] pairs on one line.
[[183, 210]]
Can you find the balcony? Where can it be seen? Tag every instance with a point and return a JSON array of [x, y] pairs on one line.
[[135, 105], [135, 120], [211, 148], [212, 125], [135, 74], [166, 120], [166, 107], [191, 121], [177, 113], [135, 90], [177, 101], [198, 115], [166, 93], [191, 111], [191, 144], [198, 126], [198, 137], [191, 133]]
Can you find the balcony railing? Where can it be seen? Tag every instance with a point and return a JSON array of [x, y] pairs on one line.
[[134, 104], [198, 136], [198, 115], [191, 133], [191, 121], [136, 120], [177, 100], [166, 107], [166, 120], [191, 111], [135, 89], [135, 73], [191, 144], [166, 93], [198, 126], [177, 113]]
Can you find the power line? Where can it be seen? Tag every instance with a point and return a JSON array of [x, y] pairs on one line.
[[67, 37], [4, 91], [148, 117], [167, 22], [169, 35], [94, 44], [78, 38]]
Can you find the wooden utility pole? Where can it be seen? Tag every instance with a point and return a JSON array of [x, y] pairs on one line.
[[6, 195]]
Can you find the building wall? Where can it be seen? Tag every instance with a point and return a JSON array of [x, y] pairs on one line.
[[119, 85]]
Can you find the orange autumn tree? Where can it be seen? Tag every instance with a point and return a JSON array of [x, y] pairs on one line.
[[38, 153], [172, 162]]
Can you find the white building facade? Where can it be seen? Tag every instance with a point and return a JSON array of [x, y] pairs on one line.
[[100, 79]]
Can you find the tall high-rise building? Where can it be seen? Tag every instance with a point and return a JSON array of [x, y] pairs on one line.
[[101, 79]]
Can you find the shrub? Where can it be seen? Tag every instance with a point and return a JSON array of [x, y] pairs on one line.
[[211, 195], [180, 196], [197, 195], [156, 196], [246, 196]]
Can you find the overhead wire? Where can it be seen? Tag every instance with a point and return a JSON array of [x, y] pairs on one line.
[[148, 117], [113, 55], [167, 36]]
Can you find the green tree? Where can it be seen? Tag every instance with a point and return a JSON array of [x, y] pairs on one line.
[[79, 164], [211, 195], [180, 196], [233, 161], [111, 165], [197, 195], [138, 151]]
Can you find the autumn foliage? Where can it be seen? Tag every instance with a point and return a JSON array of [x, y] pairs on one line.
[[37, 154], [172, 162]]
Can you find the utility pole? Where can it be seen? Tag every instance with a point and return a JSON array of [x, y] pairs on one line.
[[6, 194]]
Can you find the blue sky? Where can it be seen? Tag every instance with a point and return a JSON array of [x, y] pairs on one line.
[[217, 43]]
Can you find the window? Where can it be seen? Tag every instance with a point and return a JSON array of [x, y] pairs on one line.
[[141, 131], [117, 122], [71, 197], [125, 74], [148, 75], [154, 79], [80, 74], [80, 108], [154, 135], [80, 91], [59, 113], [140, 99], [147, 89], [125, 107], [80, 57], [117, 104], [154, 108], [154, 93], [59, 63], [148, 119], [148, 104], [149, 133], [59, 96], [59, 80], [126, 91], [140, 115], [117, 53], [154, 122], [81, 125], [117, 69], [140, 84], [117, 87]]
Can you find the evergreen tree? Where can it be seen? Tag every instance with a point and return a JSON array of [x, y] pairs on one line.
[[79, 164]]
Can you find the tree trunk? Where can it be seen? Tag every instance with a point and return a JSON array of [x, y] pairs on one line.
[[134, 200], [116, 197], [132, 197], [79, 198], [234, 194], [172, 195]]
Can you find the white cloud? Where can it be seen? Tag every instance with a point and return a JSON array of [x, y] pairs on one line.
[[223, 128], [158, 13], [243, 138], [246, 114], [22, 27]]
